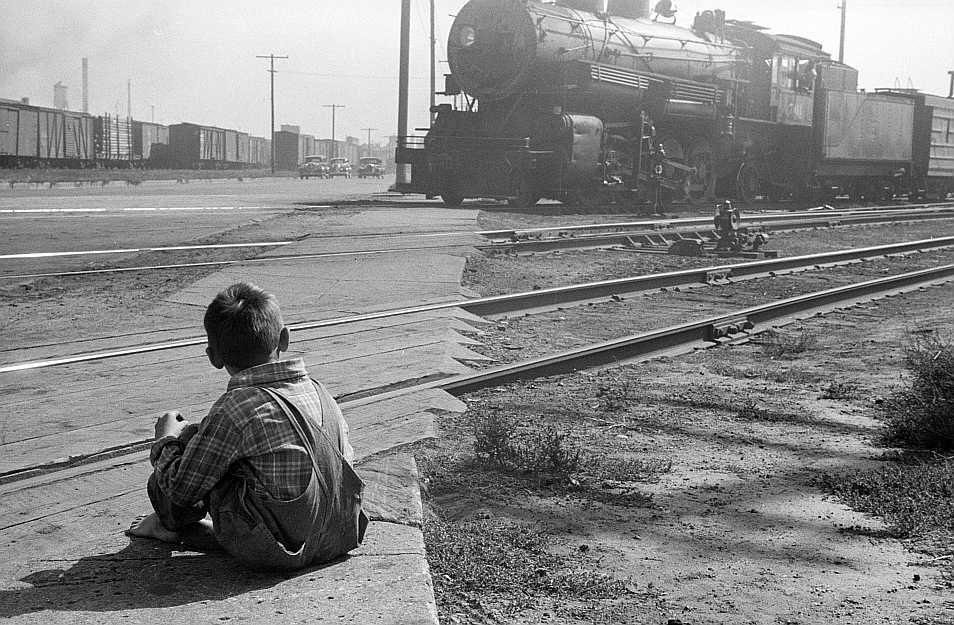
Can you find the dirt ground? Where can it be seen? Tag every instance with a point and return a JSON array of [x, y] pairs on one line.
[[700, 493]]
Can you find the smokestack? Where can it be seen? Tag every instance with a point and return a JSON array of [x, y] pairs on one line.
[[950, 93], [85, 85], [129, 98], [59, 97]]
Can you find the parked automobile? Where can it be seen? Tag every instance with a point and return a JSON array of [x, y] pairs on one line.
[[340, 166], [370, 167], [314, 166]]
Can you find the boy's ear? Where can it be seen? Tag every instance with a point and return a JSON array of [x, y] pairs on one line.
[[283, 340], [214, 357]]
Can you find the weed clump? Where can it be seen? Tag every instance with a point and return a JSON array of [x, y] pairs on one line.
[[922, 415], [539, 451], [787, 344], [616, 397], [511, 561], [841, 390], [914, 497]]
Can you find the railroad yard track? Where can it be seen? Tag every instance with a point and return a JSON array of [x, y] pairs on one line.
[[734, 324], [644, 235]]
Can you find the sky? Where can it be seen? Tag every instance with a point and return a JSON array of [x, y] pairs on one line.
[[195, 60]]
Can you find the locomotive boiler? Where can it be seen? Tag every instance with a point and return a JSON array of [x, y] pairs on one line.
[[583, 101]]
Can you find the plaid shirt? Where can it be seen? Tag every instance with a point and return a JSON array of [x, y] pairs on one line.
[[247, 427]]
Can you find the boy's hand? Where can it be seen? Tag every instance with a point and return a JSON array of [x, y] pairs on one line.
[[170, 424]]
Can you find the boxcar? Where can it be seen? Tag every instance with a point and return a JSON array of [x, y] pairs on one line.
[[260, 152], [31, 136], [940, 171], [146, 135], [286, 150]]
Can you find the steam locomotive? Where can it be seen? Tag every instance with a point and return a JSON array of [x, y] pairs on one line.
[[584, 101]]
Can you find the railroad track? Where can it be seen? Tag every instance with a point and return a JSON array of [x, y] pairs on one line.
[[660, 234], [734, 325], [547, 299], [644, 234]]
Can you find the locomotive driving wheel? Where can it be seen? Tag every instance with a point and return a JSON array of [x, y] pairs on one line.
[[451, 199], [747, 182], [523, 194]]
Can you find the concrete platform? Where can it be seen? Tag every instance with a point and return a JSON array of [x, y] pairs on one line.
[[82, 569], [66, 559]]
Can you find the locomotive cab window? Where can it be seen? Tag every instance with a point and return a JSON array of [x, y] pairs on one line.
[[785, 72]]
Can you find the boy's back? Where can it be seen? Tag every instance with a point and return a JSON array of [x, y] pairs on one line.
[[271, 462]]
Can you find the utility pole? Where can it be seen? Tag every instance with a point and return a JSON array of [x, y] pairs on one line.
[[334, 146], [152, 112], [433, 63], [841, 42], [271, 70], [369, 139], [129, 98], [403, 175]]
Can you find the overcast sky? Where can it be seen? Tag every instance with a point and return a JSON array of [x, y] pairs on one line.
[[194, 60]]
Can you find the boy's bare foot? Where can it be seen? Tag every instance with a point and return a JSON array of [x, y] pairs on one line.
[[151, 527]]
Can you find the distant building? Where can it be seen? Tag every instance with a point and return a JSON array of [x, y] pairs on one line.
[[59, 96], [295, 130]]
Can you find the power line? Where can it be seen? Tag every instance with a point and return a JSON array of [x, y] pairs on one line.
[[271, 70]]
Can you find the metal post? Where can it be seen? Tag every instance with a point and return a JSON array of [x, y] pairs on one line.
[[271, 70], [841, 42], [403, 176], [433, 63], [334, 146], [369, 139]]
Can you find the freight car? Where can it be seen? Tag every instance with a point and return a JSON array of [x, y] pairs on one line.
[[34, 136], [581, 100], [194, 146], [145, 137]]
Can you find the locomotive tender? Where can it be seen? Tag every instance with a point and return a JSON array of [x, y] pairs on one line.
[[583, 100]]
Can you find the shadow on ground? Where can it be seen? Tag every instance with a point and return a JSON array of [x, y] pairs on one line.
[[145, 574]]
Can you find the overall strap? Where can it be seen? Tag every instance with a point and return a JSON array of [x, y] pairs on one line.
[[294, 415]]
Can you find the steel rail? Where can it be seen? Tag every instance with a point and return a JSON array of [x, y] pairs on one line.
[[687, 221], [544, 298], [678, 339]]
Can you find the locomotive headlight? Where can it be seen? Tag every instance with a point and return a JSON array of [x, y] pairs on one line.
[[467, 36]]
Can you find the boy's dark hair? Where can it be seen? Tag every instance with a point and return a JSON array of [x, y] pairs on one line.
[[244, 324]]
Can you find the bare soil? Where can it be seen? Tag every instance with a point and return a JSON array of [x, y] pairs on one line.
[[701, 495]]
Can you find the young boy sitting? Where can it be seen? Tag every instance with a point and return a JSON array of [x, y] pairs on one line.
[[270, 463]]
